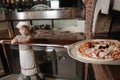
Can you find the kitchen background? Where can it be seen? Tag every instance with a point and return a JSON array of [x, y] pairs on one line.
[[105, 25], [13, 11]]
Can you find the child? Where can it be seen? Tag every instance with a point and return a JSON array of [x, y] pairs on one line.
[[26, 53]]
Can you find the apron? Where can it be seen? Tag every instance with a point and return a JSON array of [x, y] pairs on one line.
[[27, 62]]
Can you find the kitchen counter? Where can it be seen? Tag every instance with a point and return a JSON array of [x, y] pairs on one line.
[[56, 37]]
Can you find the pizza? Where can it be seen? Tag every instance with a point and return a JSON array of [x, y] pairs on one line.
[[99, 49]]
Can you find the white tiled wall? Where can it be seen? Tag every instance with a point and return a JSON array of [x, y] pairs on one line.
[[73, 25], [39, 22], [65, 23], [78, 24]]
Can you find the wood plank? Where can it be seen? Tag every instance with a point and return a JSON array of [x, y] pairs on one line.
[[103, 72]]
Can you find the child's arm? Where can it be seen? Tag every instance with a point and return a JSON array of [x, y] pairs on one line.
[[7, 41], [3, 41], [13, 41], [28, 40]]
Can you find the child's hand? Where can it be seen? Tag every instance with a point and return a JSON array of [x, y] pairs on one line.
[[13, 41], [1, 41]]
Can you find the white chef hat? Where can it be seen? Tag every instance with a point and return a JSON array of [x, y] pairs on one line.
[[24, 23]]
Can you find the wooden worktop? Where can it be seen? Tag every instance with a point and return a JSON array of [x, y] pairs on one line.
[[56, 37]]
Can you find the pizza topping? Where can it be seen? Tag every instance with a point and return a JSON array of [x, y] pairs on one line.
[[103, 47], [102, 54]]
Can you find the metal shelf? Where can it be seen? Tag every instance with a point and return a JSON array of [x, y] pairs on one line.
[[69, 13]]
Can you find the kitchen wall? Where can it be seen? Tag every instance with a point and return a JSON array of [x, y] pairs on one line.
[[4, 29], [72, 25]]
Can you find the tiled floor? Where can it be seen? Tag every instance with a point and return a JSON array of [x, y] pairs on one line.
[[10, 77], [15, 76]]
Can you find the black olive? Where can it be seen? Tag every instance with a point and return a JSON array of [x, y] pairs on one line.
[[93, 46], [100, 47], [104, 47], [107, 45], [90, 45]]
